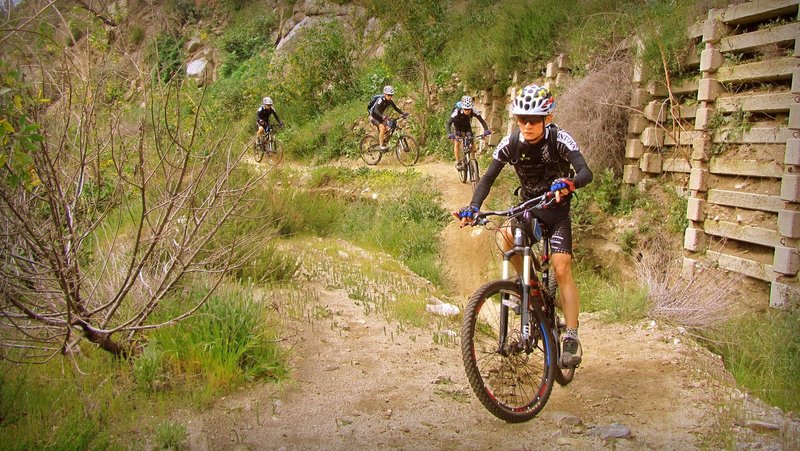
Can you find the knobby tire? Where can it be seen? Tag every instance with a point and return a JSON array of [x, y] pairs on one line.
[[563, 376], [258, 150], [462, 173], [473, 173], [516, 386], [370, 150], [407, 151], [275, 152]]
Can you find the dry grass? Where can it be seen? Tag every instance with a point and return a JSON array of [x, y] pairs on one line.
[[706, 300], [595, 109]]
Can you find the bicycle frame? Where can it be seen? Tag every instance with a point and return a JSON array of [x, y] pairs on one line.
[[526, 250]]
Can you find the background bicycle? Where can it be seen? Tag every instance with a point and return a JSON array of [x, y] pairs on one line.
[[469, 170], [512, 327], [268, 146], [404, 146]]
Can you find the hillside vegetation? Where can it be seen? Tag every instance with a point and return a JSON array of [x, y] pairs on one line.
[[147, 263]]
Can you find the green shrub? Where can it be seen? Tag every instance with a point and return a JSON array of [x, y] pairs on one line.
[[244, 40], [317, 73], [167, 56], [610, 194], [185, 10]]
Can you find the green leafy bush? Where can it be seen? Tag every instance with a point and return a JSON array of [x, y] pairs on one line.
[[245, 40], [167, 56], [317, 73]]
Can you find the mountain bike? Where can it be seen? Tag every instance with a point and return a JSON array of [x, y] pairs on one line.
[[512, 327], [267, 145], [405, 147], [469, 171]]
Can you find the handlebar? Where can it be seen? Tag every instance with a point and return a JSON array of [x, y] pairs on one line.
[[543, 201], [465, 137]]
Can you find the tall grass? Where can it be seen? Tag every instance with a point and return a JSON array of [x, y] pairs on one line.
[[58, 405], [230, 340], [617, 302], [762, 351]]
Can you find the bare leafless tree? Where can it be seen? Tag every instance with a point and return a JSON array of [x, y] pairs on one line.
[[103, 213]]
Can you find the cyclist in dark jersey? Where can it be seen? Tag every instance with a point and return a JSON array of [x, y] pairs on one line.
[[376, 116], [460, 119], [536, 165], [263, 115]]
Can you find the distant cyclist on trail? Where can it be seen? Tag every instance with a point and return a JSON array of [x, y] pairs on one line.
[[460, 119], [263, 115], [541, 154], [377, 109]]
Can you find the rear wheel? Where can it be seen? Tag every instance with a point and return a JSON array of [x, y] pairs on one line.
[[407, 151], [562, 375], [370, 150], [512, 379]]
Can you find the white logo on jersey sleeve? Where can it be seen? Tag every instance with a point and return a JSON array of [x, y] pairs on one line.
[[567, 140], [501, 146]]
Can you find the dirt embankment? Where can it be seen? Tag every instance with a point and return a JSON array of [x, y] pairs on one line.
[[361, 382]]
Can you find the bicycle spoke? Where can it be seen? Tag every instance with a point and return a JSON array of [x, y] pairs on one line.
[[370, 150], [407, 151]]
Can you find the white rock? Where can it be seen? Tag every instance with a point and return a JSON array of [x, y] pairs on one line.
[[442, 309]]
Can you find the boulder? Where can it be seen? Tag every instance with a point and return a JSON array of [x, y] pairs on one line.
[[197, 70], [194, 45]]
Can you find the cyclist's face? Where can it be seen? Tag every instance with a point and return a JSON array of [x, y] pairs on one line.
[[388, 96], [532, 127], [467, 111]]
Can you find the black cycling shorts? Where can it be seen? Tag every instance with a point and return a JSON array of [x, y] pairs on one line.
[[556, 224]]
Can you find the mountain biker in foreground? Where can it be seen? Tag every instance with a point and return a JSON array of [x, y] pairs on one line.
[[460, 119], [263, 115], [376, 116], [541, 153]]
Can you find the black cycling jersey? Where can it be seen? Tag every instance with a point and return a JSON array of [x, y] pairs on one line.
[[534, 168], [263, 114], [461, 121], [380, 107]]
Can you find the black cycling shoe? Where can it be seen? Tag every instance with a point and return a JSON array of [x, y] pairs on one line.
[[570, 352]]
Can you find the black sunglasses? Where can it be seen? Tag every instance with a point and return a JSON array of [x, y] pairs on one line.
[[530, 119]]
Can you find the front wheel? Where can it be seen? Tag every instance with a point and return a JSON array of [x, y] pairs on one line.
[[473, 174], [259, 149], [407, 150], [462, 173], [370, 150], [274, 152], [511, 378]]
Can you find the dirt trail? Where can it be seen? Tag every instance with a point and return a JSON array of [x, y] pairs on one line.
[[363, 383]]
